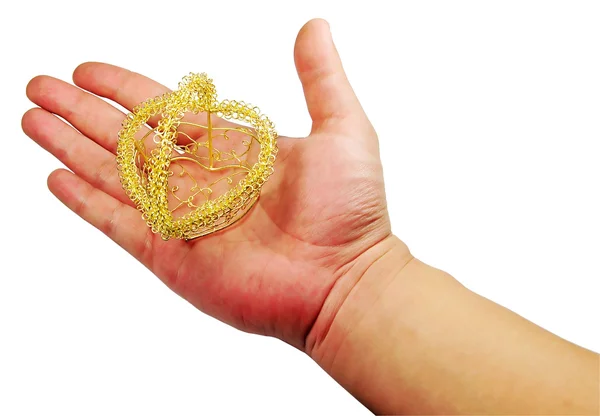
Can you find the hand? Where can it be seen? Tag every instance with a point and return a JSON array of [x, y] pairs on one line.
[[322, 210]]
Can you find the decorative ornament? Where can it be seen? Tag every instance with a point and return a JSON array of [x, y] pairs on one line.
[[196, 172]]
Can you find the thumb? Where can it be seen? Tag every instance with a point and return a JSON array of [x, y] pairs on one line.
[[330, 99]]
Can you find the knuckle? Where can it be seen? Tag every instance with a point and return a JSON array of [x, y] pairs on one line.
[[111, 223], [105, 173]]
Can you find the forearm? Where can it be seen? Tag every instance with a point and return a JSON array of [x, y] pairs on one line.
[[410, 339]]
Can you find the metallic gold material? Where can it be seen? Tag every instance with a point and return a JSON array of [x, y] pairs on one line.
[[195, 172]]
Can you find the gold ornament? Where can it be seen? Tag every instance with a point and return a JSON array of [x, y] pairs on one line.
[[195, 172]]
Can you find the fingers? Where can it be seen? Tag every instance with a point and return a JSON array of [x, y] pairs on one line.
[[90, 115], [130, 89], [117, 84], [84, 157], [331, 101], [118, 221]]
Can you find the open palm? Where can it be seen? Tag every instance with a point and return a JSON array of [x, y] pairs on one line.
[[271, 272]]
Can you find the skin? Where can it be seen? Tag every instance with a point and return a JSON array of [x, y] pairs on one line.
[[276, 266], [314, 262]]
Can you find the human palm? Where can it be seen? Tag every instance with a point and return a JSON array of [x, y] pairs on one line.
[[271, 272]]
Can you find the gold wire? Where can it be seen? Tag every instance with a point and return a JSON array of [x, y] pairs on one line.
[[147, 185]]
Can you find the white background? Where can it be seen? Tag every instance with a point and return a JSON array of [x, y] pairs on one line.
[[489, 121]]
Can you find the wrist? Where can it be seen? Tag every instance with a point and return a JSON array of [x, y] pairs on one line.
[[409, 338], [370, 318], [355, 291]]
